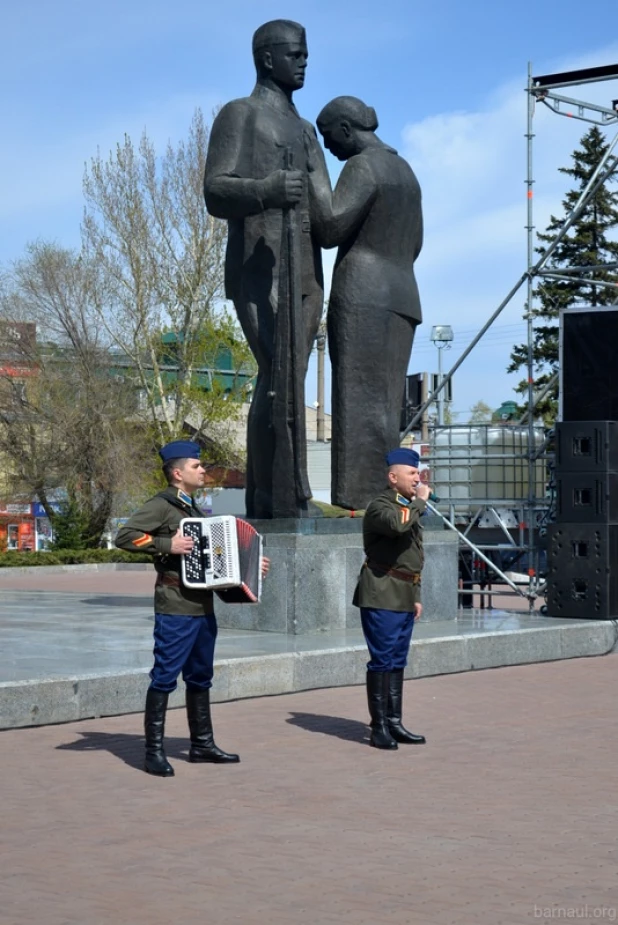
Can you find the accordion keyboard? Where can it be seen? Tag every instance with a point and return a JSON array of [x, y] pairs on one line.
[[197, 562]]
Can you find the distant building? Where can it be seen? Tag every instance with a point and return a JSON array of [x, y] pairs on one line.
[[506, 412], [318, 470]]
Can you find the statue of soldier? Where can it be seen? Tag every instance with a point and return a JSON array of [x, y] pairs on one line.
[[256, 178]]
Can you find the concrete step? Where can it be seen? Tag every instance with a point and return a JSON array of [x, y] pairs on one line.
[[72, 687]]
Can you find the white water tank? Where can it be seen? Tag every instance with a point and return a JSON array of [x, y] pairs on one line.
[[476, 463]]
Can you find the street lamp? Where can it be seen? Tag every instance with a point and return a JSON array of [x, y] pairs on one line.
[[441, 336]]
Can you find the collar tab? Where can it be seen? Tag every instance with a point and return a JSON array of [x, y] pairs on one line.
[[184, 497]]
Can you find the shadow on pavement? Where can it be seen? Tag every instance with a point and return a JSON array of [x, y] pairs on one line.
[[340, 727], [125, 746]]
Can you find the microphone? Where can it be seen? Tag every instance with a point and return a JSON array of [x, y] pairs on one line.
[[433, 497]]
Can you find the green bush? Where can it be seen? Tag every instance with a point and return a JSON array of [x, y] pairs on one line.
[[14, 559]]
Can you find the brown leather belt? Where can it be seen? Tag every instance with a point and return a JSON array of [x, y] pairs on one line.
[[173, 581], [414, 578]]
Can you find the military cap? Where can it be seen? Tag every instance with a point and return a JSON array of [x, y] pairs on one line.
[[180, 449], [279, 32], [402, 457]]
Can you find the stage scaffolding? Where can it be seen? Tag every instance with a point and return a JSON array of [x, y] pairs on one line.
[[534, 511]]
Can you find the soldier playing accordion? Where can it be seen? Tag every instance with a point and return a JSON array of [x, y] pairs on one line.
[[185, 627]]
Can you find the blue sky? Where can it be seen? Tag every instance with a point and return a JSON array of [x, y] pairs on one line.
[[446, 78]]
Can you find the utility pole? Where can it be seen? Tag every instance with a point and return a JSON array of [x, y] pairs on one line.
[[320, 416], [425, 415]]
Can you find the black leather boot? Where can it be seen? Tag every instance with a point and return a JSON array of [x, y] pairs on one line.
[[395, 698], [203, 746], [154, 728], [377, 699]]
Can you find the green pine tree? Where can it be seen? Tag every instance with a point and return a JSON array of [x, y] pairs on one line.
[[69, 525], [588, 243]]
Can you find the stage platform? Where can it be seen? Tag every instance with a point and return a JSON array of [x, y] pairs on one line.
[[75, 654]]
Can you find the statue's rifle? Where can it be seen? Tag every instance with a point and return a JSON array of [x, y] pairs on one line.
[[287, 389]]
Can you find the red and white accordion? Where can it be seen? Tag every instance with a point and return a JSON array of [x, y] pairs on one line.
[[226, 558]]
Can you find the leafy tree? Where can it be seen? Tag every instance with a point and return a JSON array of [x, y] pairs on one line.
[[159, 257], [128, 333], [69, 527], [480, 413], [587, 244], [67, 422]]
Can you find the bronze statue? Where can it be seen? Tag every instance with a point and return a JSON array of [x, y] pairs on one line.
[[256, 178], [374, 216]]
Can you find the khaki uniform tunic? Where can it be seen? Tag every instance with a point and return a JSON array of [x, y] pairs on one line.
[[393, 542], [151, 529]]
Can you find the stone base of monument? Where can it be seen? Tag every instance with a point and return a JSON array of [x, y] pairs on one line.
[[314, 568]]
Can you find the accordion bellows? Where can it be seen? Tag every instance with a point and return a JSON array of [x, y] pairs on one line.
[[226, 558]]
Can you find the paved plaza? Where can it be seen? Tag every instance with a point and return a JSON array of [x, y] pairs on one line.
[[77, 623], [77, 644], [58, 634], [508, 815]]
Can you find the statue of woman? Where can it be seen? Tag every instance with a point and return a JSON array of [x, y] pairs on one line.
[[374, 216]]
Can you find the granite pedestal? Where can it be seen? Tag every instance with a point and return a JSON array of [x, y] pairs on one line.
[[314, 568]]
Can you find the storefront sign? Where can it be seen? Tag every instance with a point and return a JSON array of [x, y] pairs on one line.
[[39, 511], [12, 508]]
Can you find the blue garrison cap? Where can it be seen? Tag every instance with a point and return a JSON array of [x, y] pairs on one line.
[[402, 457], [180, 449]]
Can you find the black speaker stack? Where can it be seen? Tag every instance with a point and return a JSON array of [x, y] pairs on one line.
[[582, 552]]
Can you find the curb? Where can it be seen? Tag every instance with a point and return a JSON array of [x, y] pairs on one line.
[[84, 567], [62, 700]]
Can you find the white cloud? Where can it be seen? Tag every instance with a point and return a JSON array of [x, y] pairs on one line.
[[472, 170], [461, 159]]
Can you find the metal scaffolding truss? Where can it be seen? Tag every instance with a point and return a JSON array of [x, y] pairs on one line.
[[542, 90]]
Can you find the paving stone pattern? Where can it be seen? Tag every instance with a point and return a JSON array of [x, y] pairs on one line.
[[508, 815]]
